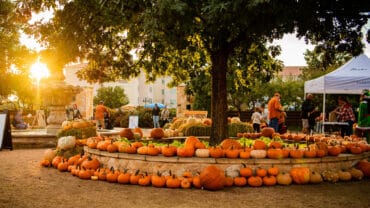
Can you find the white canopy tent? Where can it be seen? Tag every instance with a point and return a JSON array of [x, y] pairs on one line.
[[351, 78]]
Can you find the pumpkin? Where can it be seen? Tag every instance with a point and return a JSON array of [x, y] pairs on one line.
[[169, 151], [267, 132], [91, 163], [196, 182], [138, 131], [273, 171], [158, 180], [255, 181], [129, 149], [320, 153], [127, 133], [191, 141], [142, 150], [112, 175], [124, 177], [296, 153], [275, 153], [284, 179], [315, 177], [229, 181], [240, 181], [200, 145], [300, 175], [216, 152], [185, 183], [245, 171], [145, 180], [112, 147], [310, 153], [364, 166], [102, 145], [245, 154], [49, 154], [157, 133], [74, 159], [56, 160], [153, 151], [45, 163], [212, 178], [185, 151], [259, 145], [344, 175], [66, 142], [269, 180], [84, 174], [232, 153], [261, 172], [137, 144], [173, 182], [258, 153], [63, 166], [202, 153], [275, 145], [230, 144], [356, 149], [334, 150], [134, 178]]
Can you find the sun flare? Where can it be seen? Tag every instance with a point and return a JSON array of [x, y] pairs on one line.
[[38, 71]]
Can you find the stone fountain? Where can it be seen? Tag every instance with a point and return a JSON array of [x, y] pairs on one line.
[[56, 95]]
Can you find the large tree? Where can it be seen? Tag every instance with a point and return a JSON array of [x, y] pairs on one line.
[[170, 36]]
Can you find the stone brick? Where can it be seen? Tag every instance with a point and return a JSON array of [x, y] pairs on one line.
[[196, 160], [161, 158]]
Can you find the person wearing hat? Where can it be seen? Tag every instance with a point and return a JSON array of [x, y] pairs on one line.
[[274, 111], [100, 110]]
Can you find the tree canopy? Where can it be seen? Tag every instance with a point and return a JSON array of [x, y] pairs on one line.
[[113, 97], [173, 37]]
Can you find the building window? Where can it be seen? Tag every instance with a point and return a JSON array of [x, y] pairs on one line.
[[162, 91], [163, 81]]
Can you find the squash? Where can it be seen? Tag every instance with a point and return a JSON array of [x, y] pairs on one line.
[[315, 177], [284, 179], [202, 153], [330, 176], [258, 153], [127, 133], [267, 132], [344, 175], [356, 173], [49, 154]]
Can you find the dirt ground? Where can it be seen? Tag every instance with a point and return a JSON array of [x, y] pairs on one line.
[[23, 183]]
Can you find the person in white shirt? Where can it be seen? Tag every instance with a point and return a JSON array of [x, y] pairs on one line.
[[256, 119]]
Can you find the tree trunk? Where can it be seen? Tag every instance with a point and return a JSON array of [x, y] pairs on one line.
[[219, 129]]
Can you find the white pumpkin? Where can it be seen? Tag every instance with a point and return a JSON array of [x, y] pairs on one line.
[[258, 154], [202, 152], [66, 142]]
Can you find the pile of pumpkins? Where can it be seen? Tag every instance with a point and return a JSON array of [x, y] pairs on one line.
[[210, 178], [229, 148]]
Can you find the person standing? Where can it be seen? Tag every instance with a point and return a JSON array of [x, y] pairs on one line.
[[274, 110], [100, 111], [76, 112], [345, 113], [307, 108], [256, 119], [165, 115], [155, 114]]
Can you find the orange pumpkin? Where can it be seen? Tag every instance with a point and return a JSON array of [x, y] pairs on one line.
[[158, 180], [275, 153], [269, 180], [274, 171], [245, 171], [267, 132], [124, 177], [259, 145], [173, 182], [191, 141], [240, 181], [334, 150], [216, 152], [230, 143], [127, 133], [157, 133], [212, 178], [261, 172], [300, 175], [255, 181]]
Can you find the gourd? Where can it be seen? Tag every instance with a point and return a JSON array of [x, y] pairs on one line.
[[356, 173], [344, 175], [330, 176], [49, 154]]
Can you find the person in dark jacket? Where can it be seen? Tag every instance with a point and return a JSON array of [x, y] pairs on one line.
[[307, 108]]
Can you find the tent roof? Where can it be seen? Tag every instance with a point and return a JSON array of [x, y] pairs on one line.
[[351, 78]]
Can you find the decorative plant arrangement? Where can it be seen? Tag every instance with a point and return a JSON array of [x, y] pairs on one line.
[[266, 144]]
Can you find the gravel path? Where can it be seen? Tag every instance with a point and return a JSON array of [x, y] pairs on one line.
[[23, 183]]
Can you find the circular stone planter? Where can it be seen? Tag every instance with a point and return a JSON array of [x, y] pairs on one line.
[[178, 165]]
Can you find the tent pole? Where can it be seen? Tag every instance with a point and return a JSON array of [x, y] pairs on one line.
[[323, 112]]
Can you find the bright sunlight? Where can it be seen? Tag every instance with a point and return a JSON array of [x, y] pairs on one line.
[[38, 71]]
